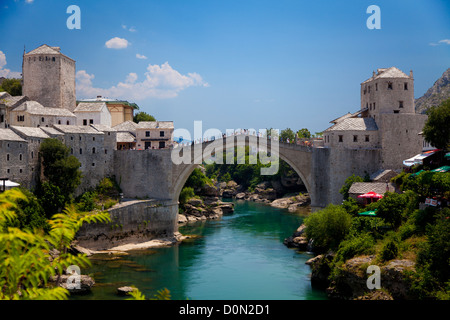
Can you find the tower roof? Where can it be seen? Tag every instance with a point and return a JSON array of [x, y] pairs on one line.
[[391, 72], [46, 49]]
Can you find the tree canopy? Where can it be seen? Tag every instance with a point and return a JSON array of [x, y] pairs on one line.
[[12, 86], [143, 116], [437, 130]]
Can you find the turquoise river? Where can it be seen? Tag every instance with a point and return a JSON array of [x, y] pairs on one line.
[[239, 257]]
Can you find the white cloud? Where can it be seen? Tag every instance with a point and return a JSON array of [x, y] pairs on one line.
[[29, 1], [446, 41], [140, 56], [117, 43], [6, 72], [443, 41], [160, 81]]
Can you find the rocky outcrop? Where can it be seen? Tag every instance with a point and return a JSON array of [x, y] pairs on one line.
[[437, 94], [298, 239], [124, 291], [65, 281], [292, 203], [202, 209]]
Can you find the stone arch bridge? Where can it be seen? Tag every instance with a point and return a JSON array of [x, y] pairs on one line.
[[153, 174]]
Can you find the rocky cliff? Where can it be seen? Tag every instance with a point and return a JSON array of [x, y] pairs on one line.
[[438, 93]]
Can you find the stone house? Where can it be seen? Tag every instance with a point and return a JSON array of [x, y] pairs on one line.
[[126, 135], [8, 103], [359, 188], [34, 137], [154, 135], [120, 110], [14, 157], [88, 113], [33, 114]]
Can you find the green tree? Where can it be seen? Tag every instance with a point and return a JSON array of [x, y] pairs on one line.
[[287, 134], [348, 183], [60, 168], [328, 227], [437, 129], [304, 133], [143, 116], [12, 86], [391, 208]]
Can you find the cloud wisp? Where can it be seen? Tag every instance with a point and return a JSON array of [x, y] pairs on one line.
[[117, 43], [160, 81], [7, 73]]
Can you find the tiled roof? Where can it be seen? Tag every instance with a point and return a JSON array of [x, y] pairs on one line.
[[31, 132], [391, 72], [45, 49], [354, 124], [103, 128], [382, 175], [364, 187], [128, 126], [76, 129], [34, 107], [155, 125], [90, 107], [52, 131], [9, 135], [125, 137]]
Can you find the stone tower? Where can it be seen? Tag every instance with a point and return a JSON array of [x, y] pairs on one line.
[[388, 98], [49, 77]]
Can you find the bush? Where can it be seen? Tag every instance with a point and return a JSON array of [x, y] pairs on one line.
[[389, 250], [360, 245], [328, 227], [186, 194], [348, 183]]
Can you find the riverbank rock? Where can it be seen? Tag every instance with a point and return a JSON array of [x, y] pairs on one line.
[[85, 285], [292, 202], [298, 239], [124, 291], [208, 208], [350, 281]]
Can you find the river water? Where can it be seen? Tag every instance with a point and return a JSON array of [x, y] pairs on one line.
[[239, 257]]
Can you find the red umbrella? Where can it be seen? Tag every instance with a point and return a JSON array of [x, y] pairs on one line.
[[371, 194]]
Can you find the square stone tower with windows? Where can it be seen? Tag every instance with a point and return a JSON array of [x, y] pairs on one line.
[[49, 77]]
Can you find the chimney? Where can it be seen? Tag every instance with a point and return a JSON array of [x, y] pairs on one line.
[[99, 97], [411, 74]]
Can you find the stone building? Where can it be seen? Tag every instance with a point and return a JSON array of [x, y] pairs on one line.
[[126, 135], [154, 135], [49, 77], [14, 157], [386, 121], [89, 113], [33, 114], [7, 104]]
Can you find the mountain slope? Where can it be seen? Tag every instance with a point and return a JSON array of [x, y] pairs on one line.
[[438, 93]]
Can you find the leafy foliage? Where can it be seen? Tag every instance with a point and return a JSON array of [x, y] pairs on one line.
[[348, 183], [163, 294], [143, 116], [12, 86], [436, 129], [25, 261]]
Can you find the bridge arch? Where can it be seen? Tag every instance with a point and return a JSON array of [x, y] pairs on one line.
[[297, 157]]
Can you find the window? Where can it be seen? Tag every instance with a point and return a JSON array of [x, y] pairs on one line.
[[2, 118], [71, 150], [93, 150], [147, 133], [93, 164], [161, 133], [93, 138], [20, 157], [374, 106], [7, 157], [106, 151], [53, 59], [369, 89], [370, 107], [355, 138], [42, 119], [20, 118], [91, 121], [84, 122], [32, 155], [396, 111], [367, 138], [162, 144], [400, 104], [68, 122], [389, 85], [81, 151], [341, 138], [405, 86], [376, 86], [59, 121]]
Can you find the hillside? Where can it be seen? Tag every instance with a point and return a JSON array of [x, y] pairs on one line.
[[439, 92]]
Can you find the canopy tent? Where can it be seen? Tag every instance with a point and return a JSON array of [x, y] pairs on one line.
[[371, 213], [418, 158], [371, 195], [417, 173], [447, 155], [7, 184], [442, 169]]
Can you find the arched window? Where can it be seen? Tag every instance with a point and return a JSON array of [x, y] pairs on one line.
[[93, 150]]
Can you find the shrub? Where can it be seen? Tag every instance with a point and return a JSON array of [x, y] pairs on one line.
[[389, 250], [360, 245], [348, 183], [186, 194], [328, 227]]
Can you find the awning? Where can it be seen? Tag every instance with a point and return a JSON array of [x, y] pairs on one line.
[[442, 169], [417, 173], [371, 213], [418, 159], [8, 184], [371, 194]]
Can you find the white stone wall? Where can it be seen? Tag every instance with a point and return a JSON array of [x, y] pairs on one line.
[[14, 163]]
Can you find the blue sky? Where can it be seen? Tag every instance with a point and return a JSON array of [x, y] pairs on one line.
[[233, 64]]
